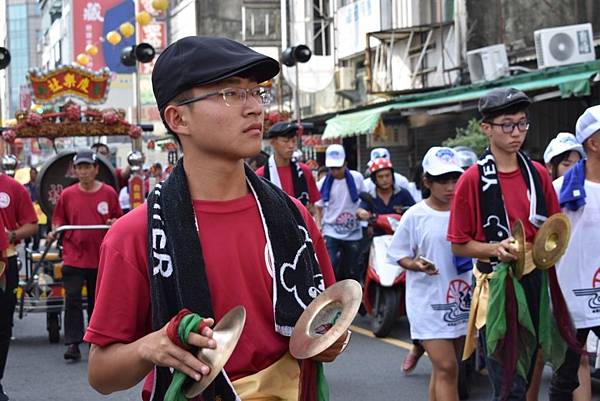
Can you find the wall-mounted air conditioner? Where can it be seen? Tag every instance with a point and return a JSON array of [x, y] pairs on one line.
[[345, 78], [487, 63], [563, 45]]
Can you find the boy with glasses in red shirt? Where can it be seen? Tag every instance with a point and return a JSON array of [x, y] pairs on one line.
[[505, 185]]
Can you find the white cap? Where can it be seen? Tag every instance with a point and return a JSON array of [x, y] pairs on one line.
[[380, 153], [335, 156], [588, 124], [439, 160], [564, 142]]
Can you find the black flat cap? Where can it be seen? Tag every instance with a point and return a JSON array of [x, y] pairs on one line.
[[498, 100], [201, 60], [282, 128]]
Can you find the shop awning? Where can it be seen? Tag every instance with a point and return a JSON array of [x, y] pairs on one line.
[[569, 81]]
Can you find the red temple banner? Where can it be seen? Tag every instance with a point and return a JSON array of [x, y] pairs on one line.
[[70, 81]]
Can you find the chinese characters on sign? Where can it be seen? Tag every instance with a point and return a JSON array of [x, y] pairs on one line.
[[90, 86], [136, 191]]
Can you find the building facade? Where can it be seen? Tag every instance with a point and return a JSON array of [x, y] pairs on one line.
[[22, 31]]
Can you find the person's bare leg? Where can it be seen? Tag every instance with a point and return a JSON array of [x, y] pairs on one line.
[[412, 358], [536, 378], [432, 386], [584, 391], [445, 369]]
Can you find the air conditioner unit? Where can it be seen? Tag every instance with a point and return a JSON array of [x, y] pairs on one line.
[[345, 78], [487, 63], [564, 45]]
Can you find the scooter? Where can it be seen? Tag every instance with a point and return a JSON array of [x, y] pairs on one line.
[[384, 282]]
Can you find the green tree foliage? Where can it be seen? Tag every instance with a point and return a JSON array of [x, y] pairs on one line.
[[471, 136]]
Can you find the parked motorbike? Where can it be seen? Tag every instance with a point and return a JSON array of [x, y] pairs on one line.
[[384, 280]]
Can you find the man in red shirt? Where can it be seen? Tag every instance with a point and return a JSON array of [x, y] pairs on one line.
[[211, 237], [283, 170], [89, 202], [504, 185], [19, 221]]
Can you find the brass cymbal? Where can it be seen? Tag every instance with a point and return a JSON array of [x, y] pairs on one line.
[[518, 246], [2, 267], [325, 320], [551, 241], [226, 333]]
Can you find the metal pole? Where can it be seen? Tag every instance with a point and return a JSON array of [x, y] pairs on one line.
[[136, 144], [297, 96]]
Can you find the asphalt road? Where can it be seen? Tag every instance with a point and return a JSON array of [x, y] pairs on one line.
[[369, 369]]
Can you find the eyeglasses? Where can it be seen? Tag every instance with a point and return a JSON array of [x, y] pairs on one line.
[[236, 96], [508, 128]]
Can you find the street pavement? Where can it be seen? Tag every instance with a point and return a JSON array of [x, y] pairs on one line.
[[369, 369]]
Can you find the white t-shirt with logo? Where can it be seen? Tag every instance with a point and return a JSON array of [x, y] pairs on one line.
[[339, 215], [578, 270], [437, 306]]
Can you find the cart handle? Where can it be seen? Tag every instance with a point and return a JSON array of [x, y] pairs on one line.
[[29, 284]]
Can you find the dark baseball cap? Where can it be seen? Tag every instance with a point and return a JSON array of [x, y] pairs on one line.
[[496, 101], [84, 156], [202, 60]]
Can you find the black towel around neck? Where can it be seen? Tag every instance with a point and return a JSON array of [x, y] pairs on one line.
[[177, 271]]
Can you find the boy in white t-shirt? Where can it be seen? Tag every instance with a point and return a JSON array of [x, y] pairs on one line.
[[438, 297], [579, 269], [336, 213]]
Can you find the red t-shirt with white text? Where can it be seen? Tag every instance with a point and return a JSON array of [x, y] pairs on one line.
[[287, 183], [16, 208], [233, 246], [465, 219], [81, 248]]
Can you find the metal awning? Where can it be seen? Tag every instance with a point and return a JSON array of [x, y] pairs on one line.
[[573, 80]]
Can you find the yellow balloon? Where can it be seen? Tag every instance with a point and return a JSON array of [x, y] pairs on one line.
[[160, 5], [127, 29], [143, 18], [83, 59], [91, 49], [113, 37]]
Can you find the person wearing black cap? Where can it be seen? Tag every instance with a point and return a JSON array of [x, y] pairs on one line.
[[293, 177], [211, 237], [502, 187], [89, 202]]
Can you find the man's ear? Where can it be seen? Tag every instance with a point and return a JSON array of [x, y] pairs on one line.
[[175, 120], [486, 128]]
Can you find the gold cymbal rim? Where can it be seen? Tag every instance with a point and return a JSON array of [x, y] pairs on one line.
[[341, 300], [518, 233], [551, 241], [226, 333]]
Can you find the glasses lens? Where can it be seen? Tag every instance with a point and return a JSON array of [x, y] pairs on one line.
[[233, 97], [523, 125], [262, 95], [508, 128]]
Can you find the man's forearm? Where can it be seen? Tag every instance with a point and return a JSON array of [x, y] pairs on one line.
[[318, 215], [25, 231], [475, 249], [116, 367]]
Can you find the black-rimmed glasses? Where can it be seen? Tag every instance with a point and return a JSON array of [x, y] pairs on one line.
[[236, 96], [509, 127]]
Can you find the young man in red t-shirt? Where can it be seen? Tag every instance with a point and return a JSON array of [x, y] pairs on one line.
[[207, 240], [19, 221], [89, 202], [505, 185], [293, 177]]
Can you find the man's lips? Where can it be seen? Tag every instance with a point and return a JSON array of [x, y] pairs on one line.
[[254, 127]]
